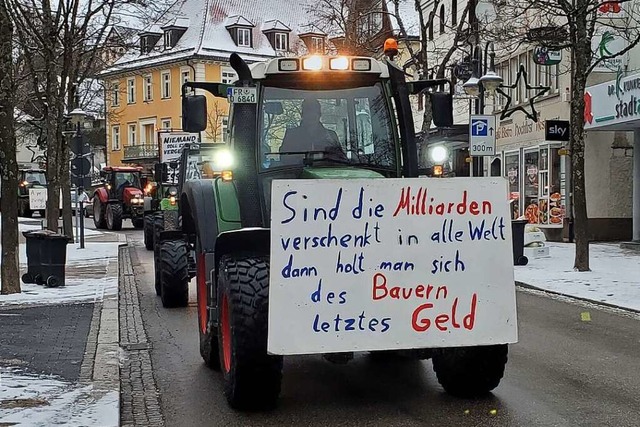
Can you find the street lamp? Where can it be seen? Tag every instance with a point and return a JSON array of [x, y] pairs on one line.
[[77, 118], [489, 82]]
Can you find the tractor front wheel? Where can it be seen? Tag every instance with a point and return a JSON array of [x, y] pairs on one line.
[[137, 222], [174, 274], [148, 232], [251, 376], [470, 371], [114, 216]]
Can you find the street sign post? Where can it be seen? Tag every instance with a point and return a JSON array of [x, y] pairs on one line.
[[482, 135]]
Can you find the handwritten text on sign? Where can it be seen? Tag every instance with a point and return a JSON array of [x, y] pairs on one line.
[[390, 264], [37, 199]]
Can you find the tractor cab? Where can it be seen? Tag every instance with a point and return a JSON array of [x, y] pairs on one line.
[[316, 117]]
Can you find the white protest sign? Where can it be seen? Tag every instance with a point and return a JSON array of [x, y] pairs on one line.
[[383, 264], [37, 199], [171, 144]]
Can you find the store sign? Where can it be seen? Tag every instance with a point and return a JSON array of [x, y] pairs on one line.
[[171, 144], [607, 42], [613, 102], [384, 264], [543, 56], [556, 130]]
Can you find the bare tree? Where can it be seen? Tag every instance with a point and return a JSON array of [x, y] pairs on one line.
[[215, 115], [10, 272], [60, 45], [585, 27]]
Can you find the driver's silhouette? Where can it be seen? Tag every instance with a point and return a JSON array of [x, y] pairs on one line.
[[311, 135]]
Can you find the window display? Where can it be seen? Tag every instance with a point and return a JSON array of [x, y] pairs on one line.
[[535, 193]]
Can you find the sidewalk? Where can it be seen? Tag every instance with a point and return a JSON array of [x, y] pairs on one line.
[[59, 359], [614, 278]]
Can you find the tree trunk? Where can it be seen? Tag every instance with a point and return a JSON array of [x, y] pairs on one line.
[[10, 270], [579, 73]]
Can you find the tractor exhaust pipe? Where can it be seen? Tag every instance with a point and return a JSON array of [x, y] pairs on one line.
[[241, 67]]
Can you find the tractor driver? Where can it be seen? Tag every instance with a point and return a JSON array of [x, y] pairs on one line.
[[311, 135]]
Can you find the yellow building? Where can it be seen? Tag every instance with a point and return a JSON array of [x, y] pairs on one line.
[[193, 42]]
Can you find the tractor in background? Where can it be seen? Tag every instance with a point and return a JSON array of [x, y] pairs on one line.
[[173, 249], [29, 178], [120, 197]]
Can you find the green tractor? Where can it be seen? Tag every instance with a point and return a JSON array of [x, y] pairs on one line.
[[309, 118], [174, 263]]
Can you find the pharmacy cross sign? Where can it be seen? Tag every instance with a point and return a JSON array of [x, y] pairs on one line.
[[508, 110]]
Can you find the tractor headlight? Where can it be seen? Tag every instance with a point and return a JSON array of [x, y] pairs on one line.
[[173, 191], [172, 200], [223, 159], [438, 154]]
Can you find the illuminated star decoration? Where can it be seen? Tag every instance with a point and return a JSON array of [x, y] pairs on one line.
[[542, 90]]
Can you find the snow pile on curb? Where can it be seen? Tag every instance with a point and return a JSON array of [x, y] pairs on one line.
[[33, 400], [87, 278], [614, 277]]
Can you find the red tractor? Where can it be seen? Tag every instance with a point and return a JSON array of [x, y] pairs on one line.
[[120, 198]]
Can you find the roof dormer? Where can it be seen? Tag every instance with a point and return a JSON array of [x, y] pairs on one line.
[[148, 40], [314, 39], [241, 30], [173, 31], [278, 34]]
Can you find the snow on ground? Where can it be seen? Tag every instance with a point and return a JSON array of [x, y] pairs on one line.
[[86, 277], [36, 400], [614, 277]]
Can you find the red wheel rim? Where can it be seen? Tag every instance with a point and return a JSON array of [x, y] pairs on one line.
[[202, 293], [226, 334]]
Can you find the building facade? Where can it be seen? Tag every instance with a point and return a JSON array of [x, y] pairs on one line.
[[537, 169]]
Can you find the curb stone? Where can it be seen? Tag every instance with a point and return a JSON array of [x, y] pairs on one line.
[[139, 395], [591, 301]]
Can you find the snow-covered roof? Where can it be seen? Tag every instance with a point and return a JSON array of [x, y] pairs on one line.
[[207, 33], [275, 25]]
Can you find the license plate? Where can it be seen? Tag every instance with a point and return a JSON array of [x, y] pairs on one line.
[[242, 95]]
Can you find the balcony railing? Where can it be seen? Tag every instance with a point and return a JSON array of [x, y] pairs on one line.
[[138, 152]]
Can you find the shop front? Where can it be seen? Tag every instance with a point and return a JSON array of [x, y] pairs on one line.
[[615, 106], [535, 171]]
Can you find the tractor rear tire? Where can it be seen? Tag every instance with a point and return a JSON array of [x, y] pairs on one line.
[[251, 376], [114, 216], [137, 222], [98, 214], [158, 227], [174, 274], [148, 232], [470, 371]]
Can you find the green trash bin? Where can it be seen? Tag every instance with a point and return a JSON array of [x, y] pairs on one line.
[[46, 258]]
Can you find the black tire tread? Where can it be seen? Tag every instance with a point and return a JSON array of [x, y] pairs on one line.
[[116, 211], [158, 227], [255, 378], [148, 232], [470, 371], [174, 274], [99, 220]]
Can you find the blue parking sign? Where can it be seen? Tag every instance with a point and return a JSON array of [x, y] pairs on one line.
[[479, 127]]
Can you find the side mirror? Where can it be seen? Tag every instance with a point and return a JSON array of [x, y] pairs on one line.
[[194, 113], [442, 106], [274, 108]]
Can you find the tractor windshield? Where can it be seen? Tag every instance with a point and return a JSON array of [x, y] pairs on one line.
[[35, 177], [127, 179], [339, 126]]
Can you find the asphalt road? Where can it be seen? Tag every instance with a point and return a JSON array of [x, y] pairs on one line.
[[564, 372]]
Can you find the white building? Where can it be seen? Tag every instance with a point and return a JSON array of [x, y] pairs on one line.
[[537, 172]]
